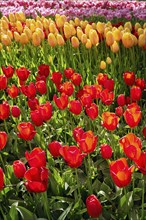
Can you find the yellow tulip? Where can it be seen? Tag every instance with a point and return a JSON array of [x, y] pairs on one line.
[[16, 36], [142, 40], [24, 39], [79, 33], [36, 40], [75, 42], [19, 26], [4, 25], [12, 17], [93, 36], [117, 35], [60, 40], [108, 60], [84, 38], [52, 40], [109, 38], [6, 40], [127, 40], [88, 44], [87, 29], [100, 27], [102, 65], [115, 47], [40, 33], [67, 31]]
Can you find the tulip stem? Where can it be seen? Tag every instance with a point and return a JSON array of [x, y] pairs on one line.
[[46, 205], [5, 124], [78, 184], [143, 191]]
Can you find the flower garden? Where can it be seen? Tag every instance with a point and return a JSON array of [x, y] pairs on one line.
[[72, 110]]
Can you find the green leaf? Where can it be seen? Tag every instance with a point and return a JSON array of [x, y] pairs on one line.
[[13, 212], [65, 213], [126, 203], [25, 213]]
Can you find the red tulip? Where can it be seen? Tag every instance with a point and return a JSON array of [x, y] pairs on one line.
[[19, 168], [109, 120], [67, 88], [72, 155], [135, 93], [131, 146], [144, 131], [15, 111], [120, 172], [106, 151], [101, 78], [129, 78], [29, 90], [68, 73], [56, 78], [92, 111], [94, 207], [86, 100], [132, 115], [141, 163], [13, 91], [43, 70], [22, 73], [33, 103], [3, 139], [40, 78], [3, 82], [61, 102], [75, 107], [4, 110], [36, 158], [77, 133], [107, 97], [8, 71], [54, 148], [76, 79], [91, 90], [98, 89], [88, 142], [36, 179], [1, 179], [109, 84], [128, 100], [41, 87], [121, 100], [119, 111], [26, 131], [46, 111], [140, 82], [36, 117]]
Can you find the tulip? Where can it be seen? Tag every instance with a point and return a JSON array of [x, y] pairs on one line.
[[108, 60], [36, 117], [72, 155], [144, 131], [19, 168], [68, 73], [8, 71], [127, 40], [52, 40], [75, 107], [4, 110], [101, 78], [56, 77], [86, 100], [1, 179], [119, 111], [61, 102], [3, 82], [36, 179], [16, 36], [60, 40], [114, 47], [76, 79], [84, 39], [36, 158], [77, 133], [100, 27], [109, 84], [44, 70], [41, 87], [67, 88], [29, 90], [102, 65], [135, 93], [75, 42], [24, 39], [121, 100], [131, 146], [120, 172], [91, 90], [140, 82], [92, 111], [141, 163], [54, 148], [26, 131], [88, 142], [107, 97], [106, 151], [94, 207], [88, 44], [67, 31], [109, 38], [109, 120], [33, 103], [22, 73], [15, 111], [3, 139], [132, 115], [46, 111], [36, 40], [6, 40], [93, 36], [129, 78]]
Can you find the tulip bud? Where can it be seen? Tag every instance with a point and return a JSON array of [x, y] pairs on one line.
[[19, 26], [100, 27], [94, 208], [75, 42], [15, 111], [115, 47], [12, 17], [83, 24], [109, 38], [4, 25], [108, 60], [140, 31], [67, 31], [79, 33], [40, 33], [87, 29], [137, 25], [5, 39], [102, 65], [28, 32], [73, 30], [22, 16], [135, 39], [142, 40], [106, 151], [39, 25], [16, 36], [23, 38], [46, 23], [127, 40], [4, 18], [77, 21], [88, 44], [128, 25], [32, 27], [84, 39], [36, 39], [60, 40], [117, 35], [60, 21], [9, 33], [52, 40], [19, 168], [52, 28], [93, 36]]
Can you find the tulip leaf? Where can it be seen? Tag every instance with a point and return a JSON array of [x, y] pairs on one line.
[[126, 203], [13, 212], [65, 213], [25, 213]]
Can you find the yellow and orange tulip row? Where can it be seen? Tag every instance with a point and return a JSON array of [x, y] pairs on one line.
[[24, 30]]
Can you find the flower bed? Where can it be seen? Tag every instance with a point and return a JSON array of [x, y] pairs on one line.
[[72, 117]]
